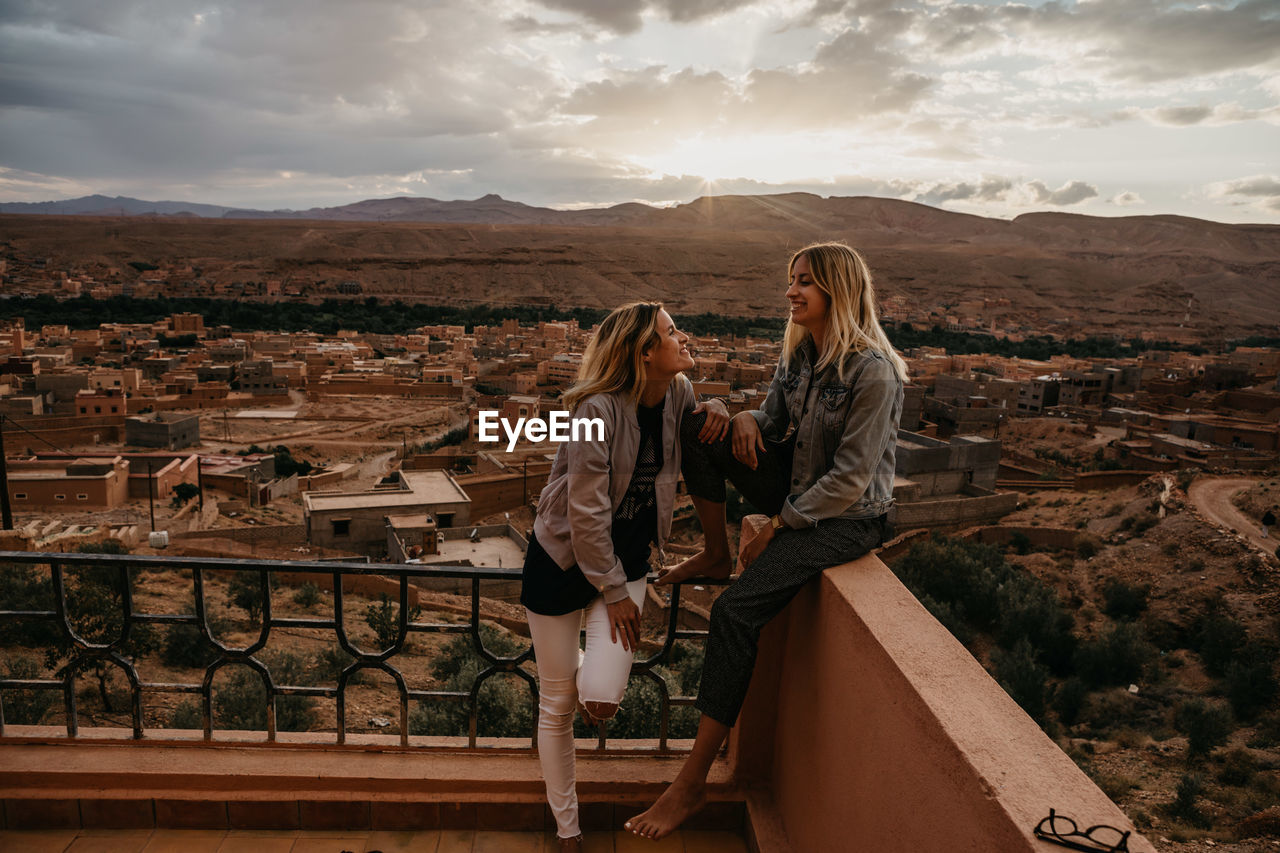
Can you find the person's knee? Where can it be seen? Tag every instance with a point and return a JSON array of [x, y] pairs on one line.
[[722, 609], [557, 698], [690, 425], [601, 710]]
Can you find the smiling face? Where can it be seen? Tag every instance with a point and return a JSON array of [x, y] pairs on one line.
[[668, 355], [809, 304]]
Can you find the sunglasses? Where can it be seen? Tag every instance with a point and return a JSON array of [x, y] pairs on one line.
[[1062, 830]]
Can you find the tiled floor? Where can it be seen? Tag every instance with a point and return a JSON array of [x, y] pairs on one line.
[[433, 841]]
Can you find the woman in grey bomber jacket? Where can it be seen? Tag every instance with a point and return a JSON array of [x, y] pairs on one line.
[[608, 499], [817, 456]]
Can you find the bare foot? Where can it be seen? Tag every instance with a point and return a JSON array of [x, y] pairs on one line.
[[700, 565], [673, 808]]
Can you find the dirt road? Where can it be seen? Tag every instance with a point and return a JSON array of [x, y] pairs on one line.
[[1212, 497]]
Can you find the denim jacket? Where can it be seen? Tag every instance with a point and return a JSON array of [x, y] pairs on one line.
[[589, 479], [845, 424]]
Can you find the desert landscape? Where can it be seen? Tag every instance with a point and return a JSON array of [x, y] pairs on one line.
[[1165, 277]]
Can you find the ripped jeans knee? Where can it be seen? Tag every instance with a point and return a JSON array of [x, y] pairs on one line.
[[598, 712]]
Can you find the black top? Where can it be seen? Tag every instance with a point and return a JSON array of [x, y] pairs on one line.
[[552, 591], [1268, 518]]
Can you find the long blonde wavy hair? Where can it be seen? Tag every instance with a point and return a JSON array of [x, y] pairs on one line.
[[852, 323], [614, 360]]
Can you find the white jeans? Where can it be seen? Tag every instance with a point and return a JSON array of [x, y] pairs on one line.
[[567, 675]]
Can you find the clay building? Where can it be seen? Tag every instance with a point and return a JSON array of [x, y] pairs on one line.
[[357, 521], [169, 431]]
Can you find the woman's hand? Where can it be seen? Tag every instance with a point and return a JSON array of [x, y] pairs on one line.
[[624, 621], [746, 439], [756, 546], [717, 423]]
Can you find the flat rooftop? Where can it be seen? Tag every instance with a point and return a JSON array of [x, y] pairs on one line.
[[423, 488], [490, 552]]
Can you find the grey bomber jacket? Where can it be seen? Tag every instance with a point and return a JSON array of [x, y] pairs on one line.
[[589, 479], [846, 428]]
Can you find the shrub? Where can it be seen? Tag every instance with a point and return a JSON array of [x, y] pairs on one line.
[[1020, 542], [970, 587], [1023, 677], [1144, 522], [245, 591], [332, 660], [307, 595], [184, 646], [242, 702], [1217, 638], [1251, 680], [1206, 725], [383, 619], [1116, 656], [1124, 601], [1267, 732], [26, 707], [186, 716], [1031, 610], [1070, 699], [1190, 787], [1087, 546], [1238, 768], [504, 705], [23, 588]]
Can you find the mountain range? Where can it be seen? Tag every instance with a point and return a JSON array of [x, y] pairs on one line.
[[1164, 274]]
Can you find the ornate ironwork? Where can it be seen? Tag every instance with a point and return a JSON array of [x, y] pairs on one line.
[[85, 653]]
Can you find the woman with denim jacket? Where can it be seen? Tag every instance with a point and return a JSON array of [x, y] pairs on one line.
[[818, 457], [607, 500]]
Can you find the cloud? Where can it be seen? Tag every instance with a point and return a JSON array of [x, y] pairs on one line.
[[1015, 193], [1072, 192], [1262, 190], [1217, 115], [1126, 199], [627, 16]]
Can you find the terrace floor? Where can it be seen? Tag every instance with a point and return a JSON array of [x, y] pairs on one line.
[[430, 841]]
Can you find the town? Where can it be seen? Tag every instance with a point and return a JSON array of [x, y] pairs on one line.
[[1115, 482]]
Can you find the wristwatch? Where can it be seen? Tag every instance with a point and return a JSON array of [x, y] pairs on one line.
[[776, 523]]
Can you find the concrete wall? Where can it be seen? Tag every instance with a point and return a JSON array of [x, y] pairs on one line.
[[284, 534], [1109, 479], [952, 512], [978, 458], [492, 493], [875, 729]]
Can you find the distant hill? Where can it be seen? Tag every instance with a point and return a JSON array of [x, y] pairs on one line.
[[1073, 274], [101, 205]]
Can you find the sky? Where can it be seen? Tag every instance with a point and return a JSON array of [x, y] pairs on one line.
[[1105, 107]]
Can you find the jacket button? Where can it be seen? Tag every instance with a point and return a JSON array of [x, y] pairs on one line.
[[799, 444], [796, 481]]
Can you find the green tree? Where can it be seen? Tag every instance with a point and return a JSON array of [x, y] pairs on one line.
[[95, 611], [184, 492]]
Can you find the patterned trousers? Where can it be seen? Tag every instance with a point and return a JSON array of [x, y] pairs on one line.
[[788, 562]]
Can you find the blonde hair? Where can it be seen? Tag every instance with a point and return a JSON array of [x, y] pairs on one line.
[[852, 323], [614, 360]]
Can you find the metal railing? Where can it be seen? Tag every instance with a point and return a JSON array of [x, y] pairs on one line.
[[83, 654]]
